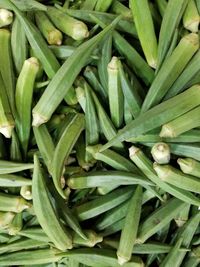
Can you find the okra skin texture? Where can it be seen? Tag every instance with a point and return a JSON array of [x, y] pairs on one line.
[[177, 61], [170, 22], [64, 147], [23, 97], [45, 212], [68, 25], [145, 29], [68, 72], [51, 34]]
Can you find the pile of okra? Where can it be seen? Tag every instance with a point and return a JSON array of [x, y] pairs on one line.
[[99, 133]]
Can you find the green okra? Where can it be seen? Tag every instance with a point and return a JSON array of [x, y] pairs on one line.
[[19, 52], [114, 228], [35, 233], [159, 218], [23, 97], [84, 159], [191, 136], [24, 5], [91, 121], [12, 180], [11, 167], [150, 120], [197, 4], [186, 150], [186, 232], [6, 119], [45, 212], [189, 166], [6, 17], [115, 95], [185, 78], [21, 244], [103, 5], [169, 259], [16, 225], [13, 203], [173, 176], [45, 144], [66, 74], [191, 17], [102, 178], [124, 25], [15, 152], [119, 8], [100, 257], [171, 19], [191, 260], [92, 239], [161, 153], [130, 228], [91, 76], [70, 97], [103, 203], [132, 97], [186, 48], [162, 4], [44, 54], [6, 217], [182, 216], [88, 4], [146, 166], [63, 51], [182, 124], [28, 257], [64, 147], [68, 25], [127, 113], [51, 34], [145, 29], [105, 58], [6, 67]]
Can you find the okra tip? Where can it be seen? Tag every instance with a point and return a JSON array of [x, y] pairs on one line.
[[161, 170], [192, 38], [55, 37], [167, 131], [6, 17], [161, 153], [38, 119], [80, 31], [186, 165], [114, 64], [93, 149], [121, 260], [7, 130]]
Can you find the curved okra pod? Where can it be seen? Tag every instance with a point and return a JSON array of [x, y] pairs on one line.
[[45, 212], [64, 147]]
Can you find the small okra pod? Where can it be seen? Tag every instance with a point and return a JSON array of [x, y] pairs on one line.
[[16, 225], [11, 167], [12, 180], [68, 25], [6, 118], [102, 204], [6, 67], [6, 17], [103, 5], [29, 257], [92, 239], [159, 219], [172, 255], [100, 257], [130, 228], [13, 203], [26, 192], [172, 176], [191, 17], [145, 29], [179, 58], [51, 34], [189, 166], [64, 147], [171, 19], [161, 153], [19, 52], [115, 95], [6, 218], [45, 211], [23, 97], [182, 124]]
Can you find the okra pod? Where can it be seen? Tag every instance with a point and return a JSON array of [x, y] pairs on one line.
[[189, 166], [191, 17], [161, 153], [6, 17]]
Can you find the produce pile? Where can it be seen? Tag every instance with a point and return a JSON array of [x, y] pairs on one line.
[[99, 133]]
